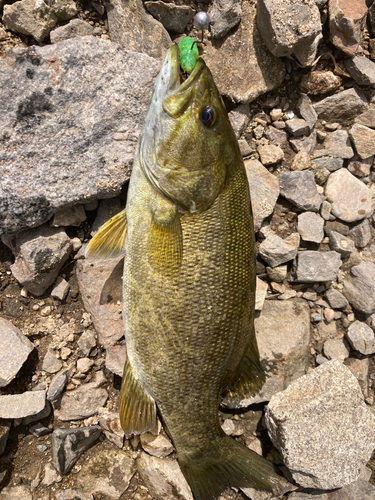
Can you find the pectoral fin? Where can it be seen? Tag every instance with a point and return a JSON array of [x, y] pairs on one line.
[[137, 408], [165, 239], [109, 241]]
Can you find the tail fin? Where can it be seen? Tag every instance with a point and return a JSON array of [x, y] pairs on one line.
[[233, 465]]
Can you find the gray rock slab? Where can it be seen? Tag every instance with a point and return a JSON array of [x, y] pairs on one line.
[[292, 27], [361, 234], [14, 351], [51, 363], [275, 250], [361, 337], [341, 107], [264, 190], [111, 425], [87, 342], [307, 111], [310, 227], [336, 299], [297, 127], [361, 69], [360, 167], [359, 287], [69, 444], [52, 158], [5, 426], [108, 473], [300, 188], [363, 139], [76, 27], [346, 21], [283, 335], [336, 349], [322, 427], [69, 216], [81, 403], [308, 144], [359, 490], [40, 254], [134, 29], [57, 385], [225, 14], [311, 266], [29, 18], [276, 136], [340, 243], [173, 17], [337, 145], [251, 70], [60, 289], [367, 118], [239, 118], [270, 154], [163, 478], [115, 358], [330, 163], [100, 286], [21, 492], [22, 405], [350, 197]]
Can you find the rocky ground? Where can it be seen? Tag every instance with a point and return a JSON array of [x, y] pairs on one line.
[[297, 77]]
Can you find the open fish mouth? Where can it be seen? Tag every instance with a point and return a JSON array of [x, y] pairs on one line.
[[179, 79]]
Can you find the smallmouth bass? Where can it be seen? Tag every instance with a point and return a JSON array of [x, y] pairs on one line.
[[189, 282]]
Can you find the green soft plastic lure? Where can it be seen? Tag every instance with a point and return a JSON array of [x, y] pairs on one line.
[[188, 54]]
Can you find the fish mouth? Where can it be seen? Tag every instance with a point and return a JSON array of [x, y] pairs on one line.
[[178, 80]]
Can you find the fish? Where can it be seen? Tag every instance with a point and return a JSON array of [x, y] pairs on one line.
[[189, 283]]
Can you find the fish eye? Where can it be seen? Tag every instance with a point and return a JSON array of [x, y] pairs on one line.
[[208, 116]]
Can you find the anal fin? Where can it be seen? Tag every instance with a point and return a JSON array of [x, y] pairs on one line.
[[109, 241], [137, 407]]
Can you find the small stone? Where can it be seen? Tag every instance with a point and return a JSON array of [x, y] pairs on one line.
[[310, 266], [173, 17], [65, 353], [326, 402], [75, 215], [50, 475], [343, 106], [307, 111], [260, 294], [320, 82], [39, 430], [225, 15], [157, 446], [336, 299], [300, 189], [81, 403], [346, 21], [228, 426], [367, 118], [276, 114], [244, 147], [359, 287], [84, 365], [277, 274], [297, 127], [239, 119], [110, 423], [72, 494], [361, 337], [87, 342], [340, 243], [275, 136], [301, 161], [363, 139], [60, 289], [337, 145], [275, 250], [310, 227], [336, 349], [69, 444], [115, 358], [29, 18], [64, 9], [270, 154], [22, 405], [360, 168], [361, 234], [350, 198], [308, 144], [14, 351], [361, 69], [329, 314], [51, 364]]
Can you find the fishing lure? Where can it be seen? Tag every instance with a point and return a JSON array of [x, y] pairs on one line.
[[188, 54]]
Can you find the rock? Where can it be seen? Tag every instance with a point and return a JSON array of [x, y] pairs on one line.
[[22, 405], [360, 168], [72, 494], [350, 198], [337, 226], [308, 144], [337, 144], [310, 266], [360, 369], [69, 216], [105, 118], [301, 161], [254, 494], [341, 244], [260, 294], [367, 118], [251, 70], [110, 423], [342, 107], [336, 349], [275, 136], [325, 211], [132, 28], [307, 111], [115, 358], [225, 15], [50, 475], [275, 250], [320, 82], [51, 363], [297, 127], [172, 17], [40, 254], [336, 299], [157, 446], [76, 27], [300, 189], [63, 9], [87, 342], [361, 337], [361, 69], [84, 365], [277, 274], [294, 28], [100, 286], [45, 412], [322, 427], [346, 20], [5, 426], [239, 118], [69, 444], [283, 335], [359, 287], [264, 190], [359, 490], [106, 210], [331, 164], [163, 478], [21, 492], [29, 18], [81, 403], [107, 473], [14, 351], [270, 154], [39, 430], [60, 289], [361, 234], [310, 227], [363, 139]]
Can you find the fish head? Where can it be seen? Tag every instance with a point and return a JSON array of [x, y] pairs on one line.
[[187, 144]]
